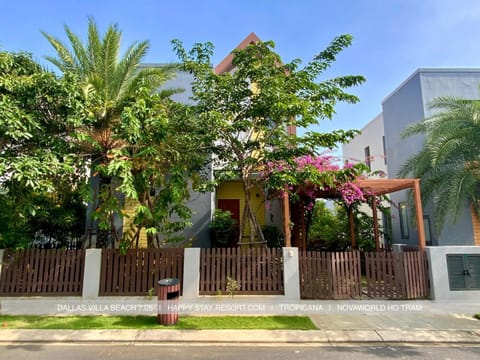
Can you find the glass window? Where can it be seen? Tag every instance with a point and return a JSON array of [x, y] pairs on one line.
[[428, 231], [384, 150], [367, 157]]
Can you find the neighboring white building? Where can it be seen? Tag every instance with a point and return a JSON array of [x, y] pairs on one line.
[[369, 147], [407, 104]]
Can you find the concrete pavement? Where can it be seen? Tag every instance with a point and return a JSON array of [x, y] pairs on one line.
[[339, 322], [333, 328]]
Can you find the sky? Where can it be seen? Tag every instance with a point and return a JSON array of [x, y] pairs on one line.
[[392, 38]]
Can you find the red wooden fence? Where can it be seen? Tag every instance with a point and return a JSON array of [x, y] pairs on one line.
[[35, 272], [139, 270], [397, 275], [333, 275], [255, 270]]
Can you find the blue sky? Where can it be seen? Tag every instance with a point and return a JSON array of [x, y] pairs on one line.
[[392, 38]]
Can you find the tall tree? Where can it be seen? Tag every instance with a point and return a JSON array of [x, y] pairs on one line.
[[248, 110], [449, 162], [162, 160], [109, 81], [39, 167]]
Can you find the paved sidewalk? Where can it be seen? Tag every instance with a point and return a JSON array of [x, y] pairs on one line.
[[339, 322], [333, 328]]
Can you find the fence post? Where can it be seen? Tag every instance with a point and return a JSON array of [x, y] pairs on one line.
[[1, 261], [91, 273], [291, 273], [191, 273]]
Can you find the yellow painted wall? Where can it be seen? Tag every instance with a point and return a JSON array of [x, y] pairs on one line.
[[234, 190], [129, 210]]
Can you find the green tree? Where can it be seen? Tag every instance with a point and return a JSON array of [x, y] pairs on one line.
[[449, 162], [39, 166], [161, 160], [247, 112], [329, 228], [109, 81], [326, 230]]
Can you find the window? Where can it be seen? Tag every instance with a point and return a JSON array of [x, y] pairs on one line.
[[427, 229], [367, 157], [384, 150], [403, 215], [387, 226]]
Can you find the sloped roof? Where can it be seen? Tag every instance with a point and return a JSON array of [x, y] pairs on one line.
[[226, 64]]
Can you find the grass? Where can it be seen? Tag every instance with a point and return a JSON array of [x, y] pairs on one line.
[[150, 322], [477, 316]]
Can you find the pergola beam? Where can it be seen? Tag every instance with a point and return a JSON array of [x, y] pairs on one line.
[[387, 186], [372, 187]]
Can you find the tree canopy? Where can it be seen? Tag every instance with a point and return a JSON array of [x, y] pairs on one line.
[[449, 162], [129, 134], [38, 162], [247, 112]]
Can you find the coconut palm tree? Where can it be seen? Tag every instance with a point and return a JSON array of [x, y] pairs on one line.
[[108, 81], [449, 163]]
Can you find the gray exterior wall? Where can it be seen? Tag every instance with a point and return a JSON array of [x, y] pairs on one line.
[[409, 103]]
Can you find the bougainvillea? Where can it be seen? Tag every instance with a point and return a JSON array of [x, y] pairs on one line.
[[310, 177]]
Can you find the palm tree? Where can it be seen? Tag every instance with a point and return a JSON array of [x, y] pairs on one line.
[[449, 163], [109, 82], [103, 73]]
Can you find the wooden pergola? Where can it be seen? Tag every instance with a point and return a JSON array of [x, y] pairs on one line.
[[373, 187]]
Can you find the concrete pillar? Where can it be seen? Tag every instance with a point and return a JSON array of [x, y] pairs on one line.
[[436, 263], [91, 273], [438, 272], [1, 260], [191, 273], [291, 273]]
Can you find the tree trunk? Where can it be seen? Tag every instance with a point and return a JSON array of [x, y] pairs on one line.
[[250, 217]]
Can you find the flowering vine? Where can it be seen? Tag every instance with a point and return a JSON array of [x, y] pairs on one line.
[[310, 177]]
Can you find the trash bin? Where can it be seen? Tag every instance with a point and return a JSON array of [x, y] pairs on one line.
[[168, 294]]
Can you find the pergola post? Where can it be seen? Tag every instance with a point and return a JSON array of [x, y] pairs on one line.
[[419, 214], [375, 223], [352, 227], [286, 220]]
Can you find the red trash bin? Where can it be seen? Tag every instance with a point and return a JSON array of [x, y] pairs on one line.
[[168, 294]]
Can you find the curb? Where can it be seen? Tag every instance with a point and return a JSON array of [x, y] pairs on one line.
[[240, 336]]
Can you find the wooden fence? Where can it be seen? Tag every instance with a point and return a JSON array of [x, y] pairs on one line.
[[397, 275], [34, 272], [254, 270], [333, 275], [138, 271], [387, 275]]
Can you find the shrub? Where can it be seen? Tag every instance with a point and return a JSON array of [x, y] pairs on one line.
[[273, 236], [222, 228]]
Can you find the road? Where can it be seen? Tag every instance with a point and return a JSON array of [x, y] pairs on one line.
[[254, 351]]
